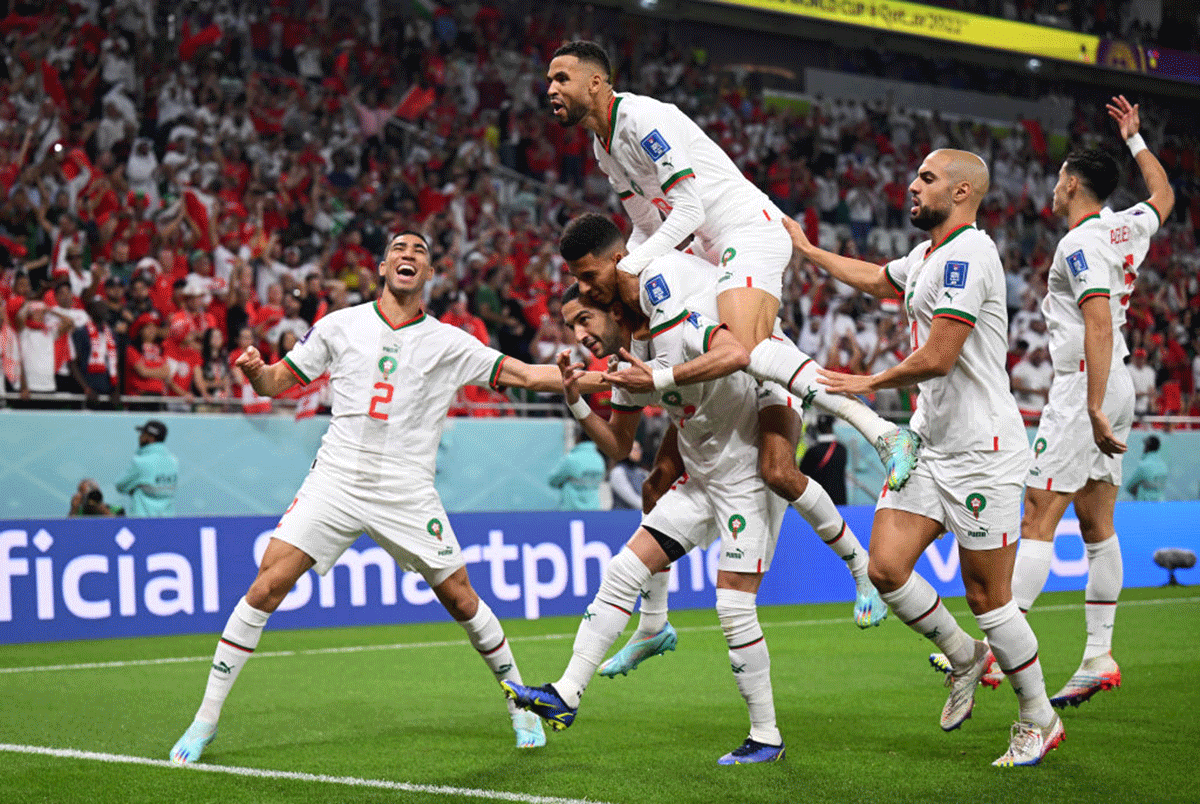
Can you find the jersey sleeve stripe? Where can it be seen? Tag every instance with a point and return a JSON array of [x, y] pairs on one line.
[[1157, 214], [494, 380], [626, 195], [626, 408], [1092, 293], [899, 290], [674, 322], [957, 315], [710, 333], [299, 375], [678, 177]]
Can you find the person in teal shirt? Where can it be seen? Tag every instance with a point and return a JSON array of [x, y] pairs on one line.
[[578, 476], [1149, 481], [152, 477]]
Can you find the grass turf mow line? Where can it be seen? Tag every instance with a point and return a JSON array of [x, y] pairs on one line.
[[295, 776], [530, 638]]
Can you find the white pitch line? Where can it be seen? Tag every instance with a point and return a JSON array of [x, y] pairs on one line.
[[460, 642], [348, 781]]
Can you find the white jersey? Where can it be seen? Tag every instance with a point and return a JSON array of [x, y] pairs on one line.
[[1099, 256], [392, 385], [650, 149], [962, 278]]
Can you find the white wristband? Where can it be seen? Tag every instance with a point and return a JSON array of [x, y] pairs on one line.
[[580, 409], [664, 378], [1136, 144]]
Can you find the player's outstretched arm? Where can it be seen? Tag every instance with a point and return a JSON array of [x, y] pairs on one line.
[[725, 355], [934, 358], [266, 380], [865, 276], [546, 378], [685, 217], [1162, 196]]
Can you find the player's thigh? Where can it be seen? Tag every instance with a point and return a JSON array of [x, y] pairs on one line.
[[754, 254], [322, 521], [1043, 511], [457, 596], [1094, 505], [749, 313], [281, 566], [779, 429], [416, 532], [987, 576], [898, 538]]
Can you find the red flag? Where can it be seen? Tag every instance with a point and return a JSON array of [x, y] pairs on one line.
[[53, 86], [203, 38]]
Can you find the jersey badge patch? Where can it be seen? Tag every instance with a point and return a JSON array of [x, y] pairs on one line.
[[1077, 263], [694, 320], [657, 290], [654, 145], [956, 274]]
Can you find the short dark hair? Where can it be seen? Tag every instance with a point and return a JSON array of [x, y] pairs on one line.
[[590, 233], [572, 293], [587, 51], [1152, 444], [412, 232], [1096, 169]]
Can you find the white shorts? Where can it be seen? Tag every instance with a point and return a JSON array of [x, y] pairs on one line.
[[1065, 455], [329, 514], [746, 516], [752, 255], [976, 495]]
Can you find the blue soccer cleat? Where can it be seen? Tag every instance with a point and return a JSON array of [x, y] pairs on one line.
[[543, 701], [898, 451], [752, 751], [191, 745], [637, 651], [528, 728], [869, 608]]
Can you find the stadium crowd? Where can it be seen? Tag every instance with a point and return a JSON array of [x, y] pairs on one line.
[[179, 187]]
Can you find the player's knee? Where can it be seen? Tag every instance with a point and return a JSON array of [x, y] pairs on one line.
[[884, 576], [268, 591], [780, 474]]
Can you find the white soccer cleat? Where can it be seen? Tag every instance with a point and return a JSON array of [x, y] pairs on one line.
[[962, 688], [1094, 675], [191, 745], [1030, 743], [993, 678], [528, 728]]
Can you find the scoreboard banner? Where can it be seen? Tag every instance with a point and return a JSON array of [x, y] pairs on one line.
[[97, 578], [939, 23]]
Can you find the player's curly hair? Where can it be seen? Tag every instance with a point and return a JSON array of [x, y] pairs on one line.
[[587, 51], [590, 233], [1097, 169]]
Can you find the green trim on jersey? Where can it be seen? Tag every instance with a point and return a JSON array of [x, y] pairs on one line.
[[949, 237], [1092, 293], [625, 408], [1083, 220], [957, 315], [710, 333], [678, 177], [417, 319], [625, 196], [888, 275], [300, 375], [666, 325], [495, 376], [606, 142], [1157, 214]]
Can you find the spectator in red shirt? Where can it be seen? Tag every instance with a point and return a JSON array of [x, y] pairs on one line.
[[146, 369]]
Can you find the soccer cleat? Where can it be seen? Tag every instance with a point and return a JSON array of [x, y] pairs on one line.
[[1030, 743], [993, 678], [752, 751], [637, 651], [529, 730], [898, 451], [191, 745], [543, 701], [962, 688], [869, 608], [1094, 675]]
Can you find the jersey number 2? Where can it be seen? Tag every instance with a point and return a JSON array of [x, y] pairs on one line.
[[382, 398]]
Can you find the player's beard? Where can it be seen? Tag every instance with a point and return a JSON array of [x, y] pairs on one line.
[[927, 218], [574, 115]]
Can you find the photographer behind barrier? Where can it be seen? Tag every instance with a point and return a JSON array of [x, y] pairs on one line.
[[151, 478], [88, 500]]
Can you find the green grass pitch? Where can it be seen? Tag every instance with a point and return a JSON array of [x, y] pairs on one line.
[[858, 710]]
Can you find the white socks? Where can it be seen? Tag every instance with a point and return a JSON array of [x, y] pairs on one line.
[[486, 635], [782, 362], [603, 621], [750, 661], [1016, 650], [652, 611], [1031, 571], [918, 605], [1105, 576], [238, 641], [818, 510]]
